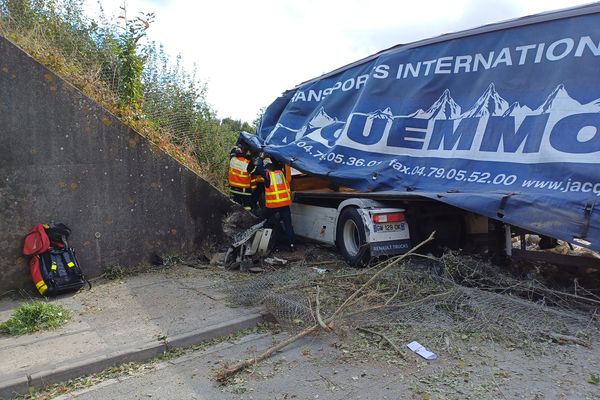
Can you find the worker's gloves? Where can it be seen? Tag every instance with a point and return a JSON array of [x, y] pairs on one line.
[[257, 161]]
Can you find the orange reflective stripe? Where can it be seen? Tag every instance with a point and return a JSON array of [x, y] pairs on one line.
[[238, 174], [278, 194]]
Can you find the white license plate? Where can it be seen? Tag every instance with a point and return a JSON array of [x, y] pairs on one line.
[[389, 227]]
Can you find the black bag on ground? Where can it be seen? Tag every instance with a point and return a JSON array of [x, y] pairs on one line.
[[59, 266], [61, 271], [58, 233]]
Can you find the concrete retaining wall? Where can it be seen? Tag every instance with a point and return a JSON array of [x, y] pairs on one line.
[[64, 158]]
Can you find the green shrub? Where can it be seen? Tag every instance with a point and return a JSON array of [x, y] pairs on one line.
[[35, 316]]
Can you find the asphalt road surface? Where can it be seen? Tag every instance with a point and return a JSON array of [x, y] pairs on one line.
[[309, 369]]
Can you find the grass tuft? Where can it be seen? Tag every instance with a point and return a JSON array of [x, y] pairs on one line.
[[35, 316]]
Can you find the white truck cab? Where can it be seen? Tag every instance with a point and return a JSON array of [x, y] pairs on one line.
[[360, 228]]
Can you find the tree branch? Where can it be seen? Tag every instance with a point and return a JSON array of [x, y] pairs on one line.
[[384, 337]]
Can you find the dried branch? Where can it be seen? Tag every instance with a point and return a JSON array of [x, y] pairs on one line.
[[394, 296], [318, 312], [226, 372], [562, 339], [378, 273], [432, 258], [402, 305], [384, 337], [329, 262], [573, 296]]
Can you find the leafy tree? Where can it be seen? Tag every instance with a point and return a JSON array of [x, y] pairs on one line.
[[131, 60], [258, 119]]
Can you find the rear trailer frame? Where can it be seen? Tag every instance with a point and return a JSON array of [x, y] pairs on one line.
[[352, 220]]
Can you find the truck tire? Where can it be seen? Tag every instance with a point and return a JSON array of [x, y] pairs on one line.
[[350, 237]]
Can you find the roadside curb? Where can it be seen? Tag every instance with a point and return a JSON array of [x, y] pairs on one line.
[[133, 352]]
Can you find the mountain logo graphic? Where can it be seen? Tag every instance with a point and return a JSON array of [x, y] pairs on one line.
[[324, 129]]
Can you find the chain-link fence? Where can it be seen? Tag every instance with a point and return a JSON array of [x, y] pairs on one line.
[[115, 65], [434, 301]]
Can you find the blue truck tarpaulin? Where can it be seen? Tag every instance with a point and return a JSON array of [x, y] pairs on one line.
[[503, 121]]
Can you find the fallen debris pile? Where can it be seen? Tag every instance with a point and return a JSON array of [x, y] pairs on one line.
[[437, 301]]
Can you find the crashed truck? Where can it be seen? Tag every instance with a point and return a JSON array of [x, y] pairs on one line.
[[479, 135]]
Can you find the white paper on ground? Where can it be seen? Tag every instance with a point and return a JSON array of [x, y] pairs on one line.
[[422, 351]]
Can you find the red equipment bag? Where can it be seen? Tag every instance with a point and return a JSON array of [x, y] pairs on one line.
[[36, 241]]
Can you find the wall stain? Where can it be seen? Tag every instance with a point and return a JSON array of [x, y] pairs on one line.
[[133, 141], [105, 120]]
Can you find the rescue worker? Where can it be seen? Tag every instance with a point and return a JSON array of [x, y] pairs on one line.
[[240, 183], [257, 185], [278, 198]]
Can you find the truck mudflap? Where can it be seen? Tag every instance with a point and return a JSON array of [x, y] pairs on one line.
[[385, 237], [389, 248]]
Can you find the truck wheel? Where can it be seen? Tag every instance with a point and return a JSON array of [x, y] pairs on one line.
[[350, 237]]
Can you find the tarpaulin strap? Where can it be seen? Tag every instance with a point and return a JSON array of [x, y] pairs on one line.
[[502, 205], [587, 215]]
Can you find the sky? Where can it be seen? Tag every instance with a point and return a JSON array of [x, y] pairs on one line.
[[250, 51]]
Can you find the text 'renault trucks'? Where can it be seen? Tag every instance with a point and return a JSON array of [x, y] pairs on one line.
[[492, 129]]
